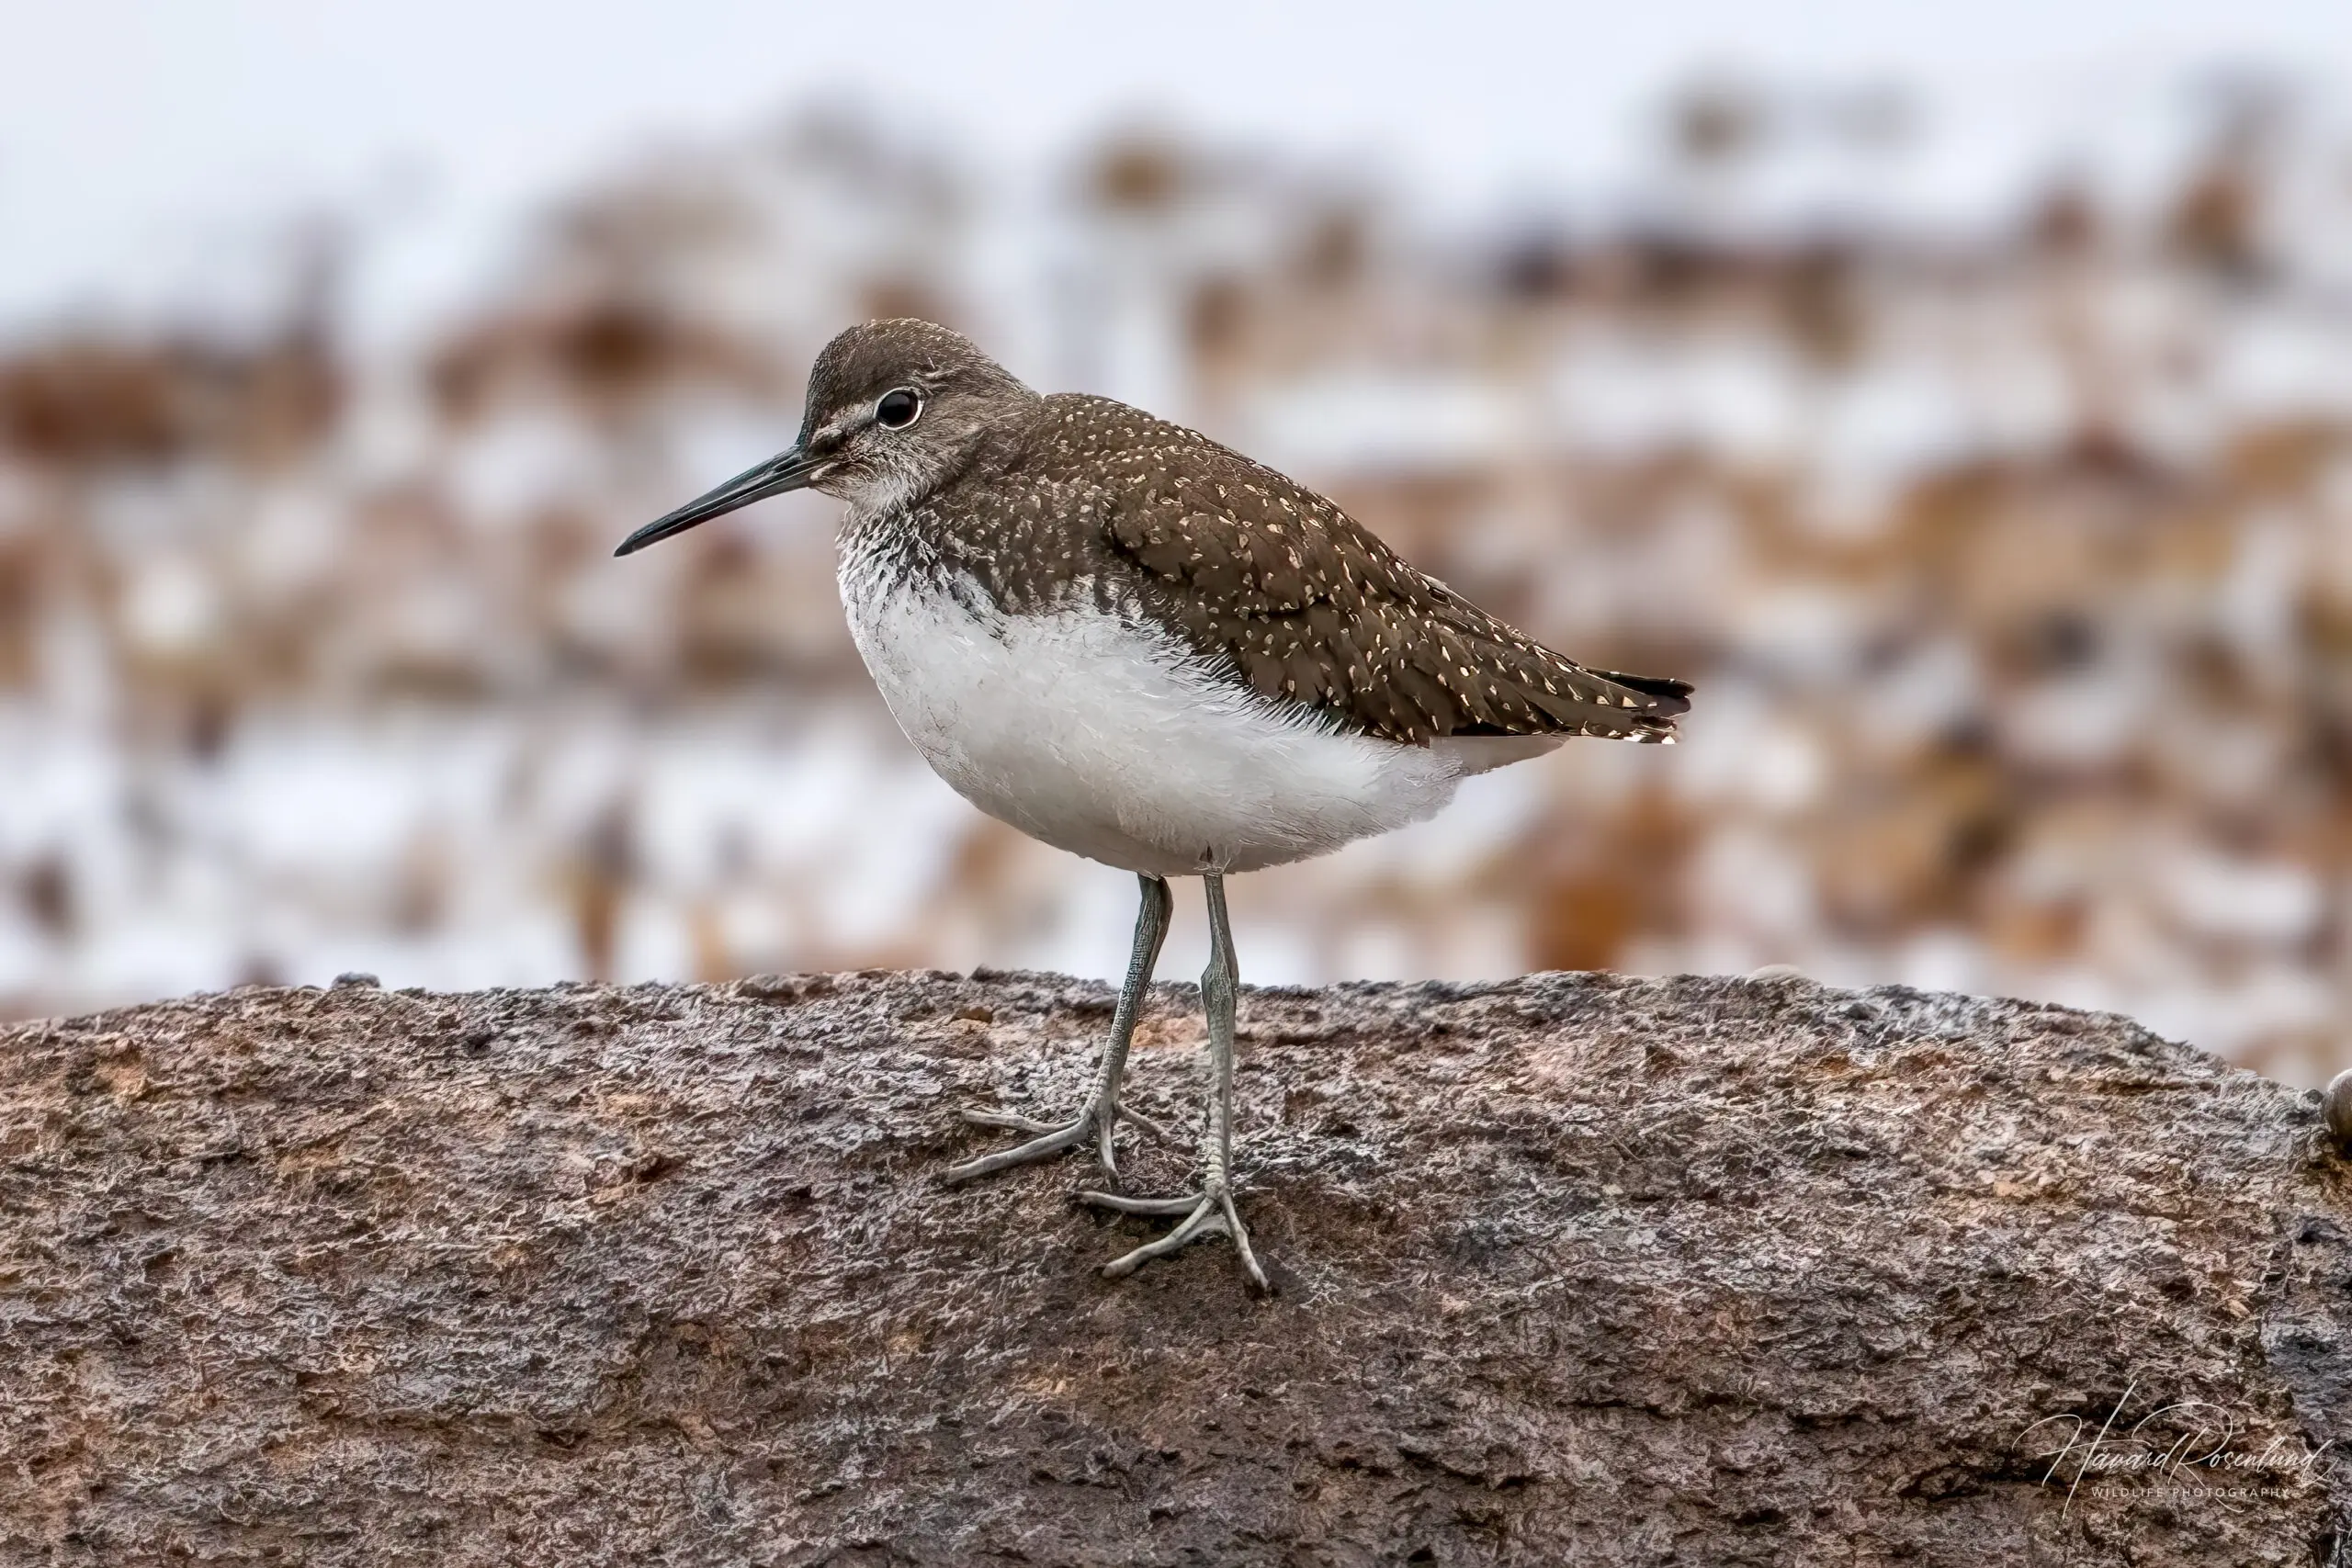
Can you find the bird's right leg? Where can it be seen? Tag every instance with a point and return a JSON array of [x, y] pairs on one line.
[[1210, 1211], [1101, 1112]]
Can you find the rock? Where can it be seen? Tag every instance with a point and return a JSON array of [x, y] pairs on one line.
[[1572, 1269], [2335, 1106]]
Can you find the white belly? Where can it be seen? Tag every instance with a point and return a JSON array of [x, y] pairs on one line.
[[1098, 735]]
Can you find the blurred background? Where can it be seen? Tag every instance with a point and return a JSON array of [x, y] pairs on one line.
[[1965, 403]]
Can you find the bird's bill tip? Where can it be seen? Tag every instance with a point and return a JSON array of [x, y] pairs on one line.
[[789, 471]]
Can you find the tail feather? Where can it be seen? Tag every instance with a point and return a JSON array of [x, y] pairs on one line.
[[1674, 696]]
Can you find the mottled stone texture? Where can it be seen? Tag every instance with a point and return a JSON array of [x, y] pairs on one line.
[[1573, 1270]]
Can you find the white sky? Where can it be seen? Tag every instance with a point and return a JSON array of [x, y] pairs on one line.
[[136, 138]]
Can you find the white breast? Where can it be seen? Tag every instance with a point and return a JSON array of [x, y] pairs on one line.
[[1100, 735]]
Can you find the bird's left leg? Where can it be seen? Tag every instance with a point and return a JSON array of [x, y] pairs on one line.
[[1101, 1112], [1210, 1211]]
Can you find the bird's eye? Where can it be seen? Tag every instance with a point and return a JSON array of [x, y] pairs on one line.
[[898, 408]]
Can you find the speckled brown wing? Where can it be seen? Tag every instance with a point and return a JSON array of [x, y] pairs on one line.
[[1310, 607]]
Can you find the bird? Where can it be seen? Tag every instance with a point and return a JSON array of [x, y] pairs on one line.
[[1136, 645]]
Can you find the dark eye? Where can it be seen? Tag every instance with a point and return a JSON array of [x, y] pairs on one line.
[[898, 408]]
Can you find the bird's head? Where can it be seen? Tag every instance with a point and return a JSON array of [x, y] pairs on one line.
[[895, 409]]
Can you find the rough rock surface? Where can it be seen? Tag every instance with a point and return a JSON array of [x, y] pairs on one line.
[[1573, 1270]]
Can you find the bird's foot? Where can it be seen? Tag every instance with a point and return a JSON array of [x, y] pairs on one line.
[[1092, 1124], [1207, 1213]]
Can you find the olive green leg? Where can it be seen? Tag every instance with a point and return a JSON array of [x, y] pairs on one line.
[[1209, 1211], [1102, 1110]]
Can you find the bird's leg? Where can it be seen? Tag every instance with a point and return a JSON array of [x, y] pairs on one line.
[[1209, 1211], [1101, 1112]]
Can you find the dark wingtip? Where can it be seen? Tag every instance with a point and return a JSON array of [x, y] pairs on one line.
[[1673, 696]]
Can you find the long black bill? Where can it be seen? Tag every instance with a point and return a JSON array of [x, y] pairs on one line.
[[777, 475]]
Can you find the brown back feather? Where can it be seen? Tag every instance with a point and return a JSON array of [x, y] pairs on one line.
[[1306, 605]]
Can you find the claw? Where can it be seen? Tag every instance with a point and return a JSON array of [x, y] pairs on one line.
[[1206, 1214], [1147, 1124], [1011, 1119], [1240, 1234], [1127, 1205], [1054, 1141], [1051, 1138]]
